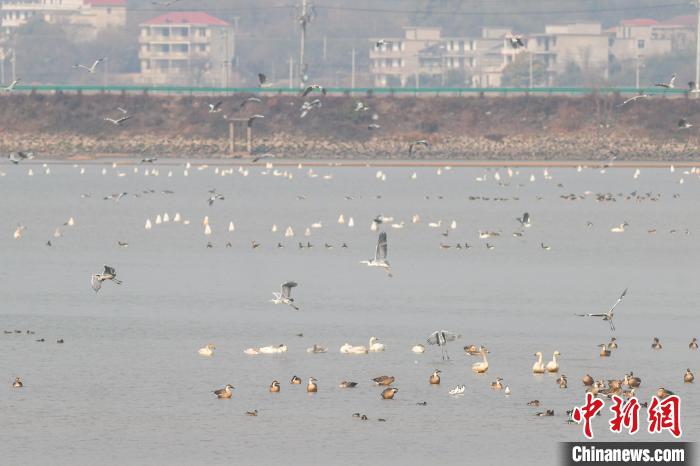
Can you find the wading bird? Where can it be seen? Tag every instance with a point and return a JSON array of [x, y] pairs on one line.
[[108, 274], [441, 338], [380, 255], [608, 315]]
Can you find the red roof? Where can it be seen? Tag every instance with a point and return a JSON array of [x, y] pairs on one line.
[[639, 22], [187, 17], [105, 2], [686, 20]]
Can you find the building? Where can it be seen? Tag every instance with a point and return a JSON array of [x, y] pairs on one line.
[[424, 58], [187, 48], [90, 16], [584, 44]]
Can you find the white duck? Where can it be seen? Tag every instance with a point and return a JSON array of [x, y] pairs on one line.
[[538, 367], [482, 366], [207, 350], [458, 390], [347, 348], [375, 346], [553, 365], [418, 349]]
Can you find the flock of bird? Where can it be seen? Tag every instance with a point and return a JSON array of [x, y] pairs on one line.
[[442, 338]]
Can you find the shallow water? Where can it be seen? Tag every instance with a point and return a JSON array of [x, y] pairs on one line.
[[128, 387]]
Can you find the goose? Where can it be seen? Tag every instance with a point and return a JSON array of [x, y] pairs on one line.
[[553, 365], [656, 345], [17, 383], [435, 377], [604, 351], [346, 384], [388, 393], [224, 393], [312, 387], [538, 367], [632, 381], [483, 366], [207, 350], [688, 377], [693, 344], [347, 348], [497, 385], [375, 346], [384, 380], [275, 387], [418, 349], [458, 390]]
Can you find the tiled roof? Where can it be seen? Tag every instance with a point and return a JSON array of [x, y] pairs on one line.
[[187, 17]]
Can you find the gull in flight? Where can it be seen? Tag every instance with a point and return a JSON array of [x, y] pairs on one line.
[[17, 157], [253, 118], [516, 41], [669, 85], [118, 121], [108, 274], [263, 156], [441, 338], [380, 255], [524, 220], [381, 42], [215, 197], [285, 295], [415, 144], [635, 98], [608, 315], [90, 69], [11, 87], [215, 107], [313, 87], [249, 100]]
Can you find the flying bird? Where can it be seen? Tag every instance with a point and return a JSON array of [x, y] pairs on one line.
[[516, 41], [149, 159], [669, 85], [285, 295], [249, 100], [608, 315], [262, 80], [108, 274], [524, 220], [215, 197], [12, 85], [263, 156], [633, 99], [684, 124], [380, 255], [17, 157], [312, 88], [441, 338], [118, 121], [215, 107], [90, 69], [381, 42], [415, 144], [253, 118]]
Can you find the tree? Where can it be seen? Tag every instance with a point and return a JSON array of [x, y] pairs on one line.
[[571, 77], [517, 72]]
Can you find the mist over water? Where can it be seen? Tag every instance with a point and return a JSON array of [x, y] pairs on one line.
[[128, 387]]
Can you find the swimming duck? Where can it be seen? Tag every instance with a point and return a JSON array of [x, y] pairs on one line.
[[628, 393], [688, 377], [388, 393], [587, 380], [275, 387], [483, 366], [656, 345], [663, 393], [538, 367], [693, 344], [631, 381], [207, 350], [347, 348], [553, 365], [418, 349], [252, 413], [375, 346], [311, 387], [613, 343], [471, 350], [224, 393], [384, 380], [604, 351], [295, 380], [435, 378], [533, 403], [549, 412], [317, 349], [346, 384], [497, 385], [562, 381], [18, 383]]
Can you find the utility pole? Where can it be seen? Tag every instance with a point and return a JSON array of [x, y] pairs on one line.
[[291, 72], [325, 48], [304, 19], [530, 53], [14, 64], [697, 45], [352, 76], [637, 73]]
